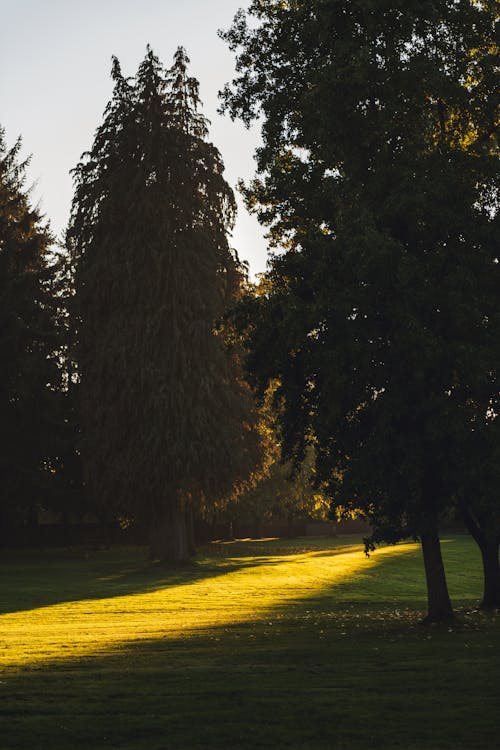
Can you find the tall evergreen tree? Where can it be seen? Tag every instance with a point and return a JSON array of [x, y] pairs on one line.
[[167, 425], [31, 413], [379, 177]]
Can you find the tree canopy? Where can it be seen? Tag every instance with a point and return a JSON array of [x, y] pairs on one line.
[[378, 178]]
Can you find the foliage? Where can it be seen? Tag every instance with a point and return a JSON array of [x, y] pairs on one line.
[[281, 493], [379, 180], [167, 423], [280, 490], [32, 411]]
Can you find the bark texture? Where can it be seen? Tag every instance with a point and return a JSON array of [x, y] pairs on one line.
[[488, 544], [439, 607], [491, 570], [169, 537]]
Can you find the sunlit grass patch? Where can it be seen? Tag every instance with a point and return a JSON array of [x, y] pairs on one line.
[[214, 592], [227, 585], [303, 644]]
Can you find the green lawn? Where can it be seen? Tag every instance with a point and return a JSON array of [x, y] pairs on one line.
[[301, 643]]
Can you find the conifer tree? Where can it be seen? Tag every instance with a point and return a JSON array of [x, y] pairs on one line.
[[167, 425], [378, 176], [31, 412]]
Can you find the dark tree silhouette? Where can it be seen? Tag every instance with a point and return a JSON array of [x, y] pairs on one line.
[[167, 424], [477, 498], [378, 177], [31, 334]]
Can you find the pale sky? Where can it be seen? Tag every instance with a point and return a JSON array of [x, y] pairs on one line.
[[55, 62]]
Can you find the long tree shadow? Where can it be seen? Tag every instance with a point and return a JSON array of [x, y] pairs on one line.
[[187, 603], [331, 671], [103, 578], [33, 580]]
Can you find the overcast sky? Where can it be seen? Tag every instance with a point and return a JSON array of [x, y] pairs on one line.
[[55, 61]]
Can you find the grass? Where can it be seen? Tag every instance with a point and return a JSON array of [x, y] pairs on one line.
[[302, 644]]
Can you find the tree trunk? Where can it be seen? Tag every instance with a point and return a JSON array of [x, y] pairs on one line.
[[438, 598], [257, 527], [491, 570], [489, 553], [169, 534], [190, 531]]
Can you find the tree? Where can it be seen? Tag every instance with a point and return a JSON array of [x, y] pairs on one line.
[[31, 410], [167, 423], [379, 180], [284, 494], [478, 505]]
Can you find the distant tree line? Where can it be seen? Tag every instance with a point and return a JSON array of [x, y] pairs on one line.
[[373, 340]]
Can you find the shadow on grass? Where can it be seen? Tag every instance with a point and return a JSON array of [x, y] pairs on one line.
[[53, 583], [38, 580], [33, 579], [321, 673], [342, 669]]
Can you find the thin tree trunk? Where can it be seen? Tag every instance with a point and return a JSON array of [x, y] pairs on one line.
[[190, 532], [491, 570], [257, 527], [439, 607], [169, 534], [489, 554]]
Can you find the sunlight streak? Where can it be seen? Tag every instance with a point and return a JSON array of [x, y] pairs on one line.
[[258, 589]]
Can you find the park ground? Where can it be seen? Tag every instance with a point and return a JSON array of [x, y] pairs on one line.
[[304, 644]]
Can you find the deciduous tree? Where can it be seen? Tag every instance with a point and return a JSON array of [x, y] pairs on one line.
[[378, 178]]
